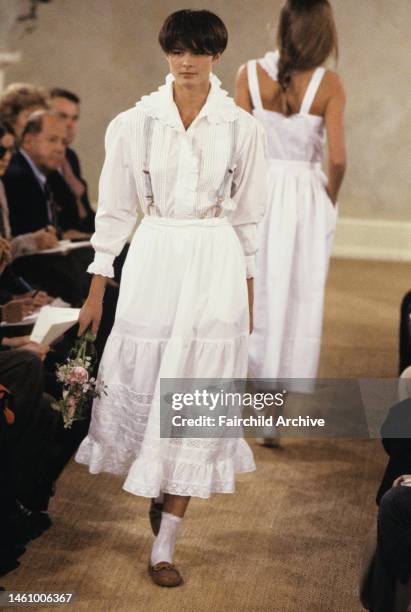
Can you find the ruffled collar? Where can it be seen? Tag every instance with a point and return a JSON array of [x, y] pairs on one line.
[[270, 63], [218, 108]]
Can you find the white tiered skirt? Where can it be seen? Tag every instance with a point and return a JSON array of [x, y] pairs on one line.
[[182, 313]]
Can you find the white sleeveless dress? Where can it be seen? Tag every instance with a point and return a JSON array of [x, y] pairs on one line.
[[295, 238]]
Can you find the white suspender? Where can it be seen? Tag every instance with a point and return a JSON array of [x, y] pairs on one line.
[[147, 138], [253, 86], [223, 191], [312, 89]]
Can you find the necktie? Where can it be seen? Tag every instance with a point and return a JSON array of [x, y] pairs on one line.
[[52, 209]]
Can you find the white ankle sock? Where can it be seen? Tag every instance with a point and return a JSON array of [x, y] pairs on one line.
[[163, 547]]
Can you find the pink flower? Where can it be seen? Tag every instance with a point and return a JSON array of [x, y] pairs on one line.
[[78, 375]]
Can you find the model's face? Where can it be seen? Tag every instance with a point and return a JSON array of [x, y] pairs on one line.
[[70, 112], [48, 148], [7, 142], [189, 69]]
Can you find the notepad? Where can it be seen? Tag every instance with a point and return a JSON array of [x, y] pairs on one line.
[[52, 322], [65, 246]]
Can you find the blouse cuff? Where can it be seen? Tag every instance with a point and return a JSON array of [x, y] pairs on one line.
[[102, 264], [250, 265]]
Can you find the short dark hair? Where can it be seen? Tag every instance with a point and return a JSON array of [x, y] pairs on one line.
[[34, 123], [198, 31], [57, 92]]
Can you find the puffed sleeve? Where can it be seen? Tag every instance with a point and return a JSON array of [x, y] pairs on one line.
[[118, 205], [249, 192]]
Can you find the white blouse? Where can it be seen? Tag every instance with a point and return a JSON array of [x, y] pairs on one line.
[[214, 168]]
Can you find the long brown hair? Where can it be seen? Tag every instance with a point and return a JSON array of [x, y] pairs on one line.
[[307, 36]]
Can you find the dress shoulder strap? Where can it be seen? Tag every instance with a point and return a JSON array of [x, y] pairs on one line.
[[253, 85], [312, 89]]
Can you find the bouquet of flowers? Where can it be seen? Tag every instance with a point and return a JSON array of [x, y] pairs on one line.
[[79, 383]]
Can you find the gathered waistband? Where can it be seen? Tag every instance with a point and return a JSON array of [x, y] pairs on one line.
[[295, 163], [175, 222]]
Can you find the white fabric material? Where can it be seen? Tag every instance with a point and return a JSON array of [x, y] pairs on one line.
[[295, 240], [312, 89], [253, 84], [187, 168], [164, 544], [270, 63], [182, 313]]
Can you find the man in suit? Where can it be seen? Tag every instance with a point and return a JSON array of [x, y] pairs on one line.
[[67, 105], [33, 207]]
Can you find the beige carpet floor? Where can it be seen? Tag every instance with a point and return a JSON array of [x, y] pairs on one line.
[[290, 540]]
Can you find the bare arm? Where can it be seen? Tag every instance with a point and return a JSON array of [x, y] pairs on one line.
[[242, 94], [93, 306], [334, 122]]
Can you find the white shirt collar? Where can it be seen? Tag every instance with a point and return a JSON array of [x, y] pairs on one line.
[[218, 108], [37, 173]]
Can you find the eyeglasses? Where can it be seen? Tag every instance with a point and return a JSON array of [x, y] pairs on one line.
[[4, 150]]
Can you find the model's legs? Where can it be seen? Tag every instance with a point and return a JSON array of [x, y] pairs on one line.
[[163, 548], [176, 504], [173, 511]]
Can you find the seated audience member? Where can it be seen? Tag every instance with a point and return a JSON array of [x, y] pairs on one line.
[[396, 439], [386, 583], [24, 450], [32, 208], [25, 243], [14, 308], [67, 105], [18, 101]]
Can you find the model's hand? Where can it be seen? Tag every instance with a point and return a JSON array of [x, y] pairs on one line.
[[16, 310], [90, 314]]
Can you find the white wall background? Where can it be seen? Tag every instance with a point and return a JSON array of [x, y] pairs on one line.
[[107, 52]]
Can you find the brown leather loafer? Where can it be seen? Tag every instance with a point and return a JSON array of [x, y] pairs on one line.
[[154, 513], [165, 574]]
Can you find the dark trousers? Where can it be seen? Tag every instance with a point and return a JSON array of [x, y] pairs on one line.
[[30, 437]]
